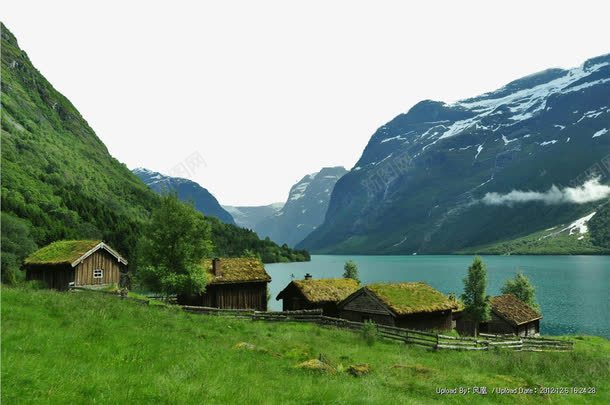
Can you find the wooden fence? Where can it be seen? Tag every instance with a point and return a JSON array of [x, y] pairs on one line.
[[426, 339]]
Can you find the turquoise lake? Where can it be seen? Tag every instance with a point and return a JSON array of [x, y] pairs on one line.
[[573, 291]]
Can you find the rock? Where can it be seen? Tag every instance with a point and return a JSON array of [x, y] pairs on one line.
[[358, 370], [245, 346], [316, 365]]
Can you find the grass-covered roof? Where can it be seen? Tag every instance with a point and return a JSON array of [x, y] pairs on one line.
[[324, 289], [236, 270], [410, 298], [61, 252], [513, 310]]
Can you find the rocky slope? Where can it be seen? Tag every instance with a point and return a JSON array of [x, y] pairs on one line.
[[250, 216], [304, 210], [444, 177]]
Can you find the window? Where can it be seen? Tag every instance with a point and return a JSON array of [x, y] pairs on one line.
[[98, 273]]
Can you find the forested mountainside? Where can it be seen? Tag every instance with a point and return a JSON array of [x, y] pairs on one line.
[[447, 177], [187, 190], [58, 179], [60, 182], [304, 209]]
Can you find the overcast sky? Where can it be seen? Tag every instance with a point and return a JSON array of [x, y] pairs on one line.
[[253, 95]]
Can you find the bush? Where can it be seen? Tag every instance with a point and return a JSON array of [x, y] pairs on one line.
[[369, 332]]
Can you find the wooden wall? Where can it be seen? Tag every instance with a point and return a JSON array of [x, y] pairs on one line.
[[57, 277], [440, 320], [83, 274], [497, 325], [358, 316], [293, 300], [362, 306], [231, 296]]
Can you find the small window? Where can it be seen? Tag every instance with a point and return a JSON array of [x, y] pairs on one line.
[[98, 273]]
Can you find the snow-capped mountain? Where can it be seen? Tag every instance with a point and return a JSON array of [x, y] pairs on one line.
[[304, 210], [187, 190], [426, 179], [250, 216]]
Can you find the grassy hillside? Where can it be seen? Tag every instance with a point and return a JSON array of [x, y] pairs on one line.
[[559, 240], [60, 182], [58, 179], [86, 347]]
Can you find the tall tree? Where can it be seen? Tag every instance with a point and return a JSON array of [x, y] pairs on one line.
[[522, 288], [16, 244], [476, 301], [172, 248], [350, 270]]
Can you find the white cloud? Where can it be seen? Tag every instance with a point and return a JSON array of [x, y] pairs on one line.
[[590, 191]]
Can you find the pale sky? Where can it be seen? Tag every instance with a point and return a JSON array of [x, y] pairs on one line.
[[268, 91]]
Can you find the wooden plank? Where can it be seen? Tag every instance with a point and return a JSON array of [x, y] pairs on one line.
[[452, 347]]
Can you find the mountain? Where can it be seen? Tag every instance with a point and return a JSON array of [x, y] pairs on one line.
[[503, 165], [60, 182], [250, 217], [229, 239], [304, 210], [187, 190], [58, 179]]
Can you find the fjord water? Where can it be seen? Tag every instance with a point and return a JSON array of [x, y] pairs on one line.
[[573, 291]]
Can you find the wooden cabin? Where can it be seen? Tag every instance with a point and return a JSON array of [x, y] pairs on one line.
[[324, 294], [75, 263], [511, 315], [233, 283], [404, 305]]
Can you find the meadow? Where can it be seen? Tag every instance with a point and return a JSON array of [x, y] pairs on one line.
[[84, 347]]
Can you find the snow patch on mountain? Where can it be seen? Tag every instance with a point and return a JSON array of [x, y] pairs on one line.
[[523, 104], [479, 149]]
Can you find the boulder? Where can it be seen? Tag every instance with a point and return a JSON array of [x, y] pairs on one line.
[[358, 370], [316, 365]]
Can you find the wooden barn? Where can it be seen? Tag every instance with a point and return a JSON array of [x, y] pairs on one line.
[[324, 294], [511, 315], [233, 283], [404, 305], [75, 263]]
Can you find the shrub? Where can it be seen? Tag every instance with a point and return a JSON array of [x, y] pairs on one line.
[[369, 332]]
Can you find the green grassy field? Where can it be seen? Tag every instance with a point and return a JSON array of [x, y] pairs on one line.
[[87, 347]]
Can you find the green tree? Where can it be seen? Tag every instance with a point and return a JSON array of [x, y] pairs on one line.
[[476, 302], [350, 270], [522, 288], [172, 248], [16, 244]]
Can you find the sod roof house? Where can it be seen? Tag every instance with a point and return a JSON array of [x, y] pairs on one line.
[[232, 283], [324, 293], [511, 315], [75, 262], [405, 305]]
